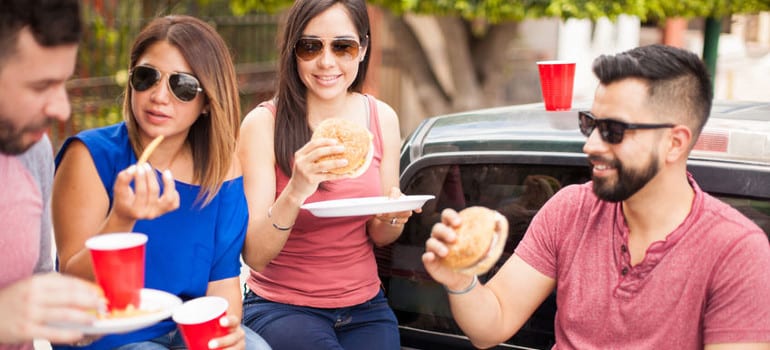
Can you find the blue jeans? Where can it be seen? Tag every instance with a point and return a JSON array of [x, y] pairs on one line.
[[370, 325], [173, 341]]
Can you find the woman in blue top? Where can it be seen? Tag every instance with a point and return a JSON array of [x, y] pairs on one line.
[[182, 85]]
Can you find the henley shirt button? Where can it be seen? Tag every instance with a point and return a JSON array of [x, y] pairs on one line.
[[624, 271], [623, 248]]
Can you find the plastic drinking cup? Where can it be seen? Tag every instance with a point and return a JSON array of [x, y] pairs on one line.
[[556, 82], [198, 320], [118, 261]]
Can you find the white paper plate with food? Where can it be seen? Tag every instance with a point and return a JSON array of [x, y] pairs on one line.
[[156, 305], [366, 205]]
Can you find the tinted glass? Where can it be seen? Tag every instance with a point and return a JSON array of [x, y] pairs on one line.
[[184, 86], [309, 48], [517, 191], [143, 78]]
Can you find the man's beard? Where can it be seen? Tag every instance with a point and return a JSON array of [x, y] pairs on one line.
[[11, 138], [629, 181]]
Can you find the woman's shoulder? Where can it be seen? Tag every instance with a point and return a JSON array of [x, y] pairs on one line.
[[262, 110], [104, 143], [112, 138], [109, 132], [231, 192], [386, 118], [256, 130], [258, 117], [384, 110]]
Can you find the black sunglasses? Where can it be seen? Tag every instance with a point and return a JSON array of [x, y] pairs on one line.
[[611, 130], [309, 48], [183, 86]]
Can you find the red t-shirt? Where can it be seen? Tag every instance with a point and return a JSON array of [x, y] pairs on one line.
[[707, 282], [327, 262]]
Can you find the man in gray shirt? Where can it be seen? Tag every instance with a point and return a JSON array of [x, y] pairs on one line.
[[38, 50]]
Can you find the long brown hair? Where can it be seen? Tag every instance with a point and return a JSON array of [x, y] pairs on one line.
[[291, 128], [212, 138]]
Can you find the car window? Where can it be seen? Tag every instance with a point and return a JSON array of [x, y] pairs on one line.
[[517, 191]]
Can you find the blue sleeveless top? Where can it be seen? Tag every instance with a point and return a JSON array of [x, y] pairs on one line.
[[188, 247]]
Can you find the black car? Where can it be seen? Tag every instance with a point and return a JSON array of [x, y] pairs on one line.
[[513, 159]]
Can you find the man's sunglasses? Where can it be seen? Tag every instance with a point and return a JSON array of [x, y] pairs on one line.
[[182, 85], [611, 130], [308, 49]]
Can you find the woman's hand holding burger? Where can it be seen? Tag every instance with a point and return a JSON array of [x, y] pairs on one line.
[[356, 139], [338, 149], [308, 172], [464, 245]]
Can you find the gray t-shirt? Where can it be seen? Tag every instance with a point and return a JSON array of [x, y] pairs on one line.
[[39, 160]]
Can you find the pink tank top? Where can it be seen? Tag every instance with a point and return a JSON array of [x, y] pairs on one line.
[[327, 262]]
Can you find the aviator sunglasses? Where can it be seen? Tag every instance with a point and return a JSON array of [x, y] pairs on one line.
[[308, 49], [611, 130], [183, 86]]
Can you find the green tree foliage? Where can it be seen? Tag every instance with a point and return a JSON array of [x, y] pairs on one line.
[[495, 11], [241, 7]]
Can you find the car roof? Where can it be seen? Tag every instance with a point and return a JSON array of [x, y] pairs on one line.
[[737, 131]]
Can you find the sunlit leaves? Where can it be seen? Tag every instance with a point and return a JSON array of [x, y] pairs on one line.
[[241, 7], [494, 11]]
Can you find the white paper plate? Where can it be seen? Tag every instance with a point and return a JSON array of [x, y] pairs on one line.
[[162, 303], [366, 205]]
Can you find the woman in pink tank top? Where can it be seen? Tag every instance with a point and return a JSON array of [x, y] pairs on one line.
[[313, 281]]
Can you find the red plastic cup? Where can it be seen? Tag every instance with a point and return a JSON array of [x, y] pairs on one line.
[[556, 82], [118, 260], [198, 320]]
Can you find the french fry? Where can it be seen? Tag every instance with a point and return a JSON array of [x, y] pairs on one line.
[[150, 148]]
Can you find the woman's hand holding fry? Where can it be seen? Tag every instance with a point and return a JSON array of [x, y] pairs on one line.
[[144, 200]]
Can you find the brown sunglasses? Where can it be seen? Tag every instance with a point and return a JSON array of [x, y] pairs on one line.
[[309, 48]]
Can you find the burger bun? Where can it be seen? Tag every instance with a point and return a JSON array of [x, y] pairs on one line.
[[480, 241], [359, 148]]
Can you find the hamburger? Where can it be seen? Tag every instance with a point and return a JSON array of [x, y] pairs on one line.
[[480, 241], [357, 141]]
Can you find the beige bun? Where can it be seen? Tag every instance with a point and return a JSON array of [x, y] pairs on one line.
[[478, 245], [357, 141]]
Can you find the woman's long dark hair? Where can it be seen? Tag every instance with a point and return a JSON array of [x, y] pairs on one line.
[[291, 127]]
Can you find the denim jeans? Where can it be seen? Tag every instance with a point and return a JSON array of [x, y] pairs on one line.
[[370, 325], [173, 341]]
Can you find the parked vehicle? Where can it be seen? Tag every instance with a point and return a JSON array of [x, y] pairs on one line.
[[513, 159]]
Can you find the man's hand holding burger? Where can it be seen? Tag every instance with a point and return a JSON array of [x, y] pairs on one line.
[[464, 245]]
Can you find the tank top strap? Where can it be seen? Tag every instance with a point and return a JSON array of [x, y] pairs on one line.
[[269, 105], [374, 122]]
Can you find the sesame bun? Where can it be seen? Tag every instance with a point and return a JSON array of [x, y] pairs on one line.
[[357, 141], [478, 245]]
